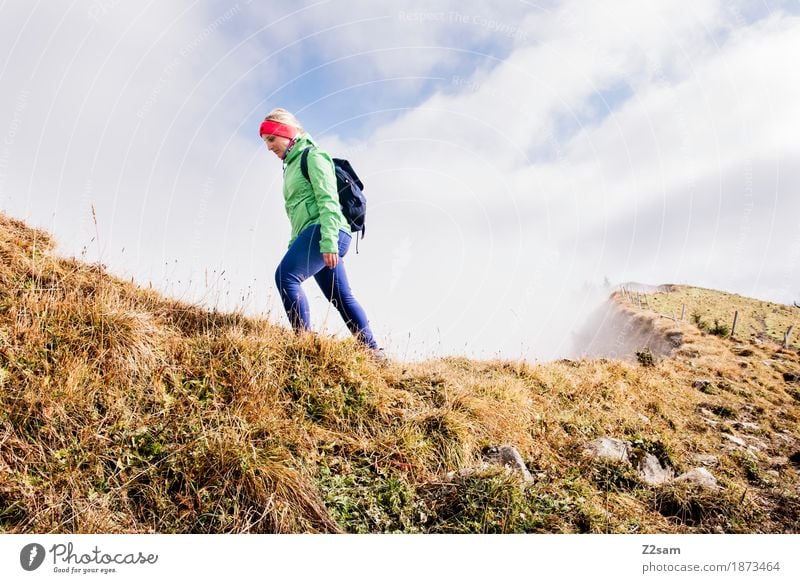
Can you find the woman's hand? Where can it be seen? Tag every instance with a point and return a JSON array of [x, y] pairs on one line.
[[331, 259]]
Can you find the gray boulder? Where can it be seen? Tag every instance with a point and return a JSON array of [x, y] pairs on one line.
[[652, 472], [509, 457], [708, 460], [700, 476], [734, 439], [746, 426], [608, 448]]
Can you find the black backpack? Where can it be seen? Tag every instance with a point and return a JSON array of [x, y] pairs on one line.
[[350, 187]]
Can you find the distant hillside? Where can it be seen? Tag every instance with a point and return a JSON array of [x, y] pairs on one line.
[[125, 411], [756, 320], [638, 315]]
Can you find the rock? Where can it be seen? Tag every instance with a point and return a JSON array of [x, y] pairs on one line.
[[758, 444], [706, 416], [703, 385], [608, 448], [675, 338], [508, 456], [733, 439], [643, 418], [652, 472], [747, 426], [701, 477], [708, 460]]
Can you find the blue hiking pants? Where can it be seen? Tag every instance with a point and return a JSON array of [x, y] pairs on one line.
[[302, 260]]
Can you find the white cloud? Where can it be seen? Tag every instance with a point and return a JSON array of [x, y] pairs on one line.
[[127, 108], [675, 184], [492, 203]]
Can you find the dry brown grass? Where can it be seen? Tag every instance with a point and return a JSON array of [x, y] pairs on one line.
[[124, 411]]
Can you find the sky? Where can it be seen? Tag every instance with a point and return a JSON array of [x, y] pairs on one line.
[[518, 157]]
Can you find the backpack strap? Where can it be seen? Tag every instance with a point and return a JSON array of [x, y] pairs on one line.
[[304, 163]]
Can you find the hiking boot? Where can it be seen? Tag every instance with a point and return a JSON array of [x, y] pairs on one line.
[[379, 355]]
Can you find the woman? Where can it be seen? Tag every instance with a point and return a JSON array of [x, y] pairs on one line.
[[320, 233]]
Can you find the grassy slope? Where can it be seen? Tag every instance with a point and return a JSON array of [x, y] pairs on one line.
[[124, 411], [756, 320]]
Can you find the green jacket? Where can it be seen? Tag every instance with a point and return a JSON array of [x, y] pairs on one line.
[[315, 202]]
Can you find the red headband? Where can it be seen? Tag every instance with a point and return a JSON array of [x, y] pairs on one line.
[[276, 128]]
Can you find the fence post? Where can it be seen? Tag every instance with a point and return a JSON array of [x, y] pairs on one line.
[[683, 311], [787, 337], [735, 317]]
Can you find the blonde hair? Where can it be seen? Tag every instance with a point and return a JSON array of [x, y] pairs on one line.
[[281, 115]]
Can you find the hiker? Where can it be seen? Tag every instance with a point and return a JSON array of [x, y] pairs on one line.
[[320, 233]]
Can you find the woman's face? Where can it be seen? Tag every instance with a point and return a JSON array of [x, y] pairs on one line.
[[276, 144]]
